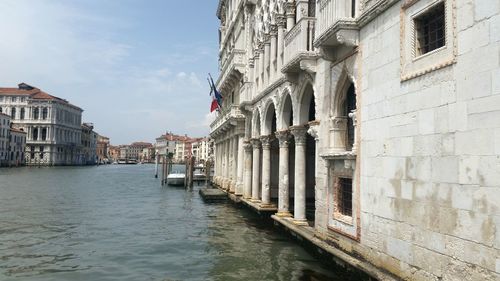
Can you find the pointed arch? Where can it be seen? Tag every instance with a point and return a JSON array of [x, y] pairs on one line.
[[269, 118], [306, 108], [285, 111], [256, 128]]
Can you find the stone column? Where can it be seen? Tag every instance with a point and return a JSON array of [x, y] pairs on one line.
[[267, 56], [256, 75], [290, 15], [274, 52], [227, 168], [266, 170], [284, 176], [255, 170], [281, 42], [302, 9], [262, 67], [247, 174], [352, 115], [235, 162], [299, 133], [239, 178]]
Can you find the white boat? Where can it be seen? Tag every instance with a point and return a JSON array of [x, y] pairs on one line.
[[176, 178], [199, 173]]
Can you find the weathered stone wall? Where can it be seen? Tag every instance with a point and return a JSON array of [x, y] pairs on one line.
[[430, 150]]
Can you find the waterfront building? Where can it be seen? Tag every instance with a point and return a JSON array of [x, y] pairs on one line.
[[114, 152], [89, 144], [123, 152], [17, 148], [371, 126], [4, 139], [165, 144], [102, 149], [148, 154], [200, 149], [52, 125], [135, 150]]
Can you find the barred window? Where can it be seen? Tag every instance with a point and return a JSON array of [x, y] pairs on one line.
[[344, 196], [430, 29]]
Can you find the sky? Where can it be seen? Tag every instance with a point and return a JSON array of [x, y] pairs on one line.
[[137, 68]]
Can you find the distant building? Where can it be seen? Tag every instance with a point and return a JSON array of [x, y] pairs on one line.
[[200, 149], [124, 152], [52, 125], [4, 138], [175, 144], [114, 153], [89, 144], [148, 154], [135, 150], [102, 150], [12, 143], [17, 147]]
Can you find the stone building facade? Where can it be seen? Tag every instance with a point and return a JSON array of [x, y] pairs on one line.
[[12, 143], [89, 144], [52, 125], [371, 125], [4, 139], [17, 148]]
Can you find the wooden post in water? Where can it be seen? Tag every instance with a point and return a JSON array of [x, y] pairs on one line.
[[191, 171], [208, 165], [162, 172], [156, 166]]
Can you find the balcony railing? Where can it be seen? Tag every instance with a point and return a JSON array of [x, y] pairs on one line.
[[226, 115], [299, 42], [235, 60], [331, 13]]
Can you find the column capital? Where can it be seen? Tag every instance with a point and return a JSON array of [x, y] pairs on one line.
[[247, 145], [255, 143], [290, 9], [299, 133], [266, 141], [280, 20], [314, 130], [284, 137]]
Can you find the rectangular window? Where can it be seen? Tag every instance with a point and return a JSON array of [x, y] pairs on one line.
[[430, 29], [344, 196]]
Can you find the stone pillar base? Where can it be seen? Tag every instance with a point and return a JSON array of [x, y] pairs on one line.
[[299, 222], [284, 214], [267, 205], [255, 200], [232, 187]]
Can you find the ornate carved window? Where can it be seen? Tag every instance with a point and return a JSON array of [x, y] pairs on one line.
[[35, 113], [13, 113], [21, 114], [44, 113]]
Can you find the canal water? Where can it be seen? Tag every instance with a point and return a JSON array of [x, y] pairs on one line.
[[116, 222]]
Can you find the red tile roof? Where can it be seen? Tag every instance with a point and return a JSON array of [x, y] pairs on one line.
[[32, 92]]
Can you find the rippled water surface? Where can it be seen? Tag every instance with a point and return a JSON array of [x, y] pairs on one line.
[[116, 223]]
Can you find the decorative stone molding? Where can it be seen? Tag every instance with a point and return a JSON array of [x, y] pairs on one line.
[[299, 133], [314, 130], [412, 65]]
